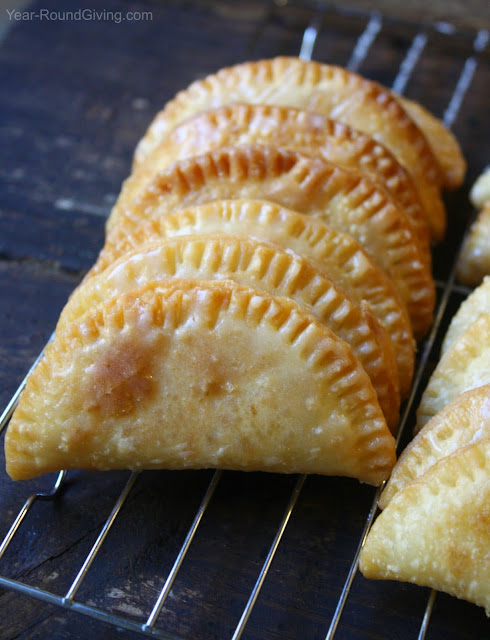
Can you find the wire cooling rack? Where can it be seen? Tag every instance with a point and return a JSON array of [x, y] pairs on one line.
[[466, 52]]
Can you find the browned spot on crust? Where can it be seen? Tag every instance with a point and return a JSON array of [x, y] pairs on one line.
[[214, 387], [458, 559], [121, 379]]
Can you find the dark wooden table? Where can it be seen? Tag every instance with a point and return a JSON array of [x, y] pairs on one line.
[[75, 97]]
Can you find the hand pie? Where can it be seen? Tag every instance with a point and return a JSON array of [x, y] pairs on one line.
[[462, 422], [442, 141], [465, 365], [332, 251], [344, 199], [436, 531], [476, 303], [325, 89], [474, 262], [264, 267], [302, 131], [187, 375]]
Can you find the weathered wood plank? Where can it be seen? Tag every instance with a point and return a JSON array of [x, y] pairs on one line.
[[70, 122], [32, 298]]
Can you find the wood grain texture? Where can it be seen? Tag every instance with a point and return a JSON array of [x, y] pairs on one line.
[[80, 95], [465, 14]]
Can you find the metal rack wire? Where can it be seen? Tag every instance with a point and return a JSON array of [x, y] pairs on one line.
[[374, 25]]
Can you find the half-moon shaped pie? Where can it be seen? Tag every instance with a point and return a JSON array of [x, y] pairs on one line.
[[462, 422], [188, 375], [303, 131], [476, 303], [345, 199], [264, 267], [465, 365], [474, 262], [325, 89], [333, 252], [444, 144], [436, 531]]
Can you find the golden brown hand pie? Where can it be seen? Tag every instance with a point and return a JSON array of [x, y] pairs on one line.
[[264, 267], [462, 422], [199, 374], [332, 251], [476, 303], [474, 262], [345, 199], [295, 129], [436, 531], [325, 89], [465, 365], [443, 143]]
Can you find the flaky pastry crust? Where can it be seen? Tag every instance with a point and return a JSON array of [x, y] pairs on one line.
[[264, 267], [345, 199], [442, 141], [436, 531], [476, 303], [299, 130], [328, 90], [465, 365], [333, 252], [474, 261], [194, 374], [462, 422], [480, 191]]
